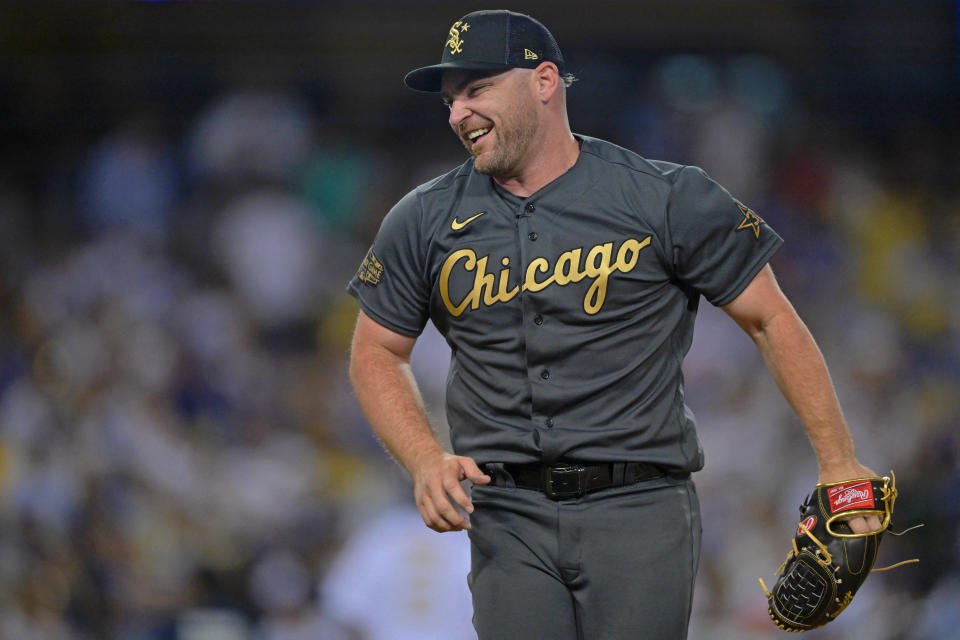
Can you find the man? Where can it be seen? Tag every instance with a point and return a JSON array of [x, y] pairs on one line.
[[565, 274]]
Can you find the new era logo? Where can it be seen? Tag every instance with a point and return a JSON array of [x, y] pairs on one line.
[[530, 55]]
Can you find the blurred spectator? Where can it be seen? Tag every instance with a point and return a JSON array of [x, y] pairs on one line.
[[272, 255], [131, 179], [396, 580], [251, 135], [282, 584]]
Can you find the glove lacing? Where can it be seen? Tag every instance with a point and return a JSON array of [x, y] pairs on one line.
[[823, 556]]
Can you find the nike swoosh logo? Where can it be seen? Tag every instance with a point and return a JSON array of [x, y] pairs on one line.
[[456, 225]]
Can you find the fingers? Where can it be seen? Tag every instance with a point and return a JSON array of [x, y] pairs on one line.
[[458, 495], [864, 524], [441, 518], [858, 525], [472, 472], [869, 524], [438, 492]]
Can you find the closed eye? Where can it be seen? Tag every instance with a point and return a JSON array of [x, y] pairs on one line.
[[471, 92], [475, 89]]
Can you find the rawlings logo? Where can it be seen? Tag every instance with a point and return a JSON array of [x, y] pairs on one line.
[[806, 525], [845, 497]]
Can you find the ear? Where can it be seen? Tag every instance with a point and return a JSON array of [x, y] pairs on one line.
[[547, 79]]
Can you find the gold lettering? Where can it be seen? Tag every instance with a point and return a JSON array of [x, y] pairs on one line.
[[598, 266], [455, 257], [597, 292], [503, 295], [483, 281], [530, 281], [633, 247], [568, 267], [602, 251]]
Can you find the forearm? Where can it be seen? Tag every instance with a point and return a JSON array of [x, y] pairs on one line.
[[798, 367], [391, 401], [388, 394]]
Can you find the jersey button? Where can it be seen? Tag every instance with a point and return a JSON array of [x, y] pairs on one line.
[[545, 374], [533, 236], [549, 422], [530, 207], [538, 320]]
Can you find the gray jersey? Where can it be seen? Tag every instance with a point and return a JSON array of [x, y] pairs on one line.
[[568, 312]]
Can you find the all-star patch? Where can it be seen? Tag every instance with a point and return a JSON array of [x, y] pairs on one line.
[[371, 269], [750, 220]]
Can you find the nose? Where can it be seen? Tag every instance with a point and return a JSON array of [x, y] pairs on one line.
[[458, 113]]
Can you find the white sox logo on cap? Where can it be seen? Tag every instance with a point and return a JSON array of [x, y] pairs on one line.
[[498, 40], [455, 42]]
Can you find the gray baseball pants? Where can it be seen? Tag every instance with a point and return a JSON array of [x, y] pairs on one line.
[[616, 564]]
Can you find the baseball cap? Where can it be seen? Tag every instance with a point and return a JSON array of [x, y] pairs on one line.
[[493, 40]]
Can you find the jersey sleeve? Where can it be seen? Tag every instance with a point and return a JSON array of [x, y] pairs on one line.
[[390, 284], [718, 244]]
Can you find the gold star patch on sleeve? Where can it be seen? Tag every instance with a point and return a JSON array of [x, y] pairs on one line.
[[750, 220]]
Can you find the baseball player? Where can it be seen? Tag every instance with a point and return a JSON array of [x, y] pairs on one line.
[[565, 273]]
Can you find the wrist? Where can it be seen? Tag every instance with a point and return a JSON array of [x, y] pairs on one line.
[[840, 472], [428, 455], [838, 457]]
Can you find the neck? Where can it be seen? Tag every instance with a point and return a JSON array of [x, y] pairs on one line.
[[545, 163]]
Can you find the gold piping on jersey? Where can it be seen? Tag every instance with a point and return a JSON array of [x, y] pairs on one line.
[[490, 289]]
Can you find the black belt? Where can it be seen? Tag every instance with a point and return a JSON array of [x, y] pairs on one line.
[[565, 480]]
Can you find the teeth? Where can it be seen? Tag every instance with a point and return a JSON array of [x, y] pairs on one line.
[[473, 135]]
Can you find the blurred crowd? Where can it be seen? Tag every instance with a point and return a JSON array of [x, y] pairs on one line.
[[182, 457]]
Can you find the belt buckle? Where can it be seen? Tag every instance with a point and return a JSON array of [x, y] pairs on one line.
[[564, 481]]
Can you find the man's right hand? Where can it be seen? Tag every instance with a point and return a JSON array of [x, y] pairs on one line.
[[436, 488]]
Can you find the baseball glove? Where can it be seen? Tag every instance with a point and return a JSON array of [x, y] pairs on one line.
[[828, 561]]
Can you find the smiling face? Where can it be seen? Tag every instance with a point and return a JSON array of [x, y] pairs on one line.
[[494, 115]]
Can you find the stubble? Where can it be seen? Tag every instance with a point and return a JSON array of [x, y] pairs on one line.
[[514, 135]]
